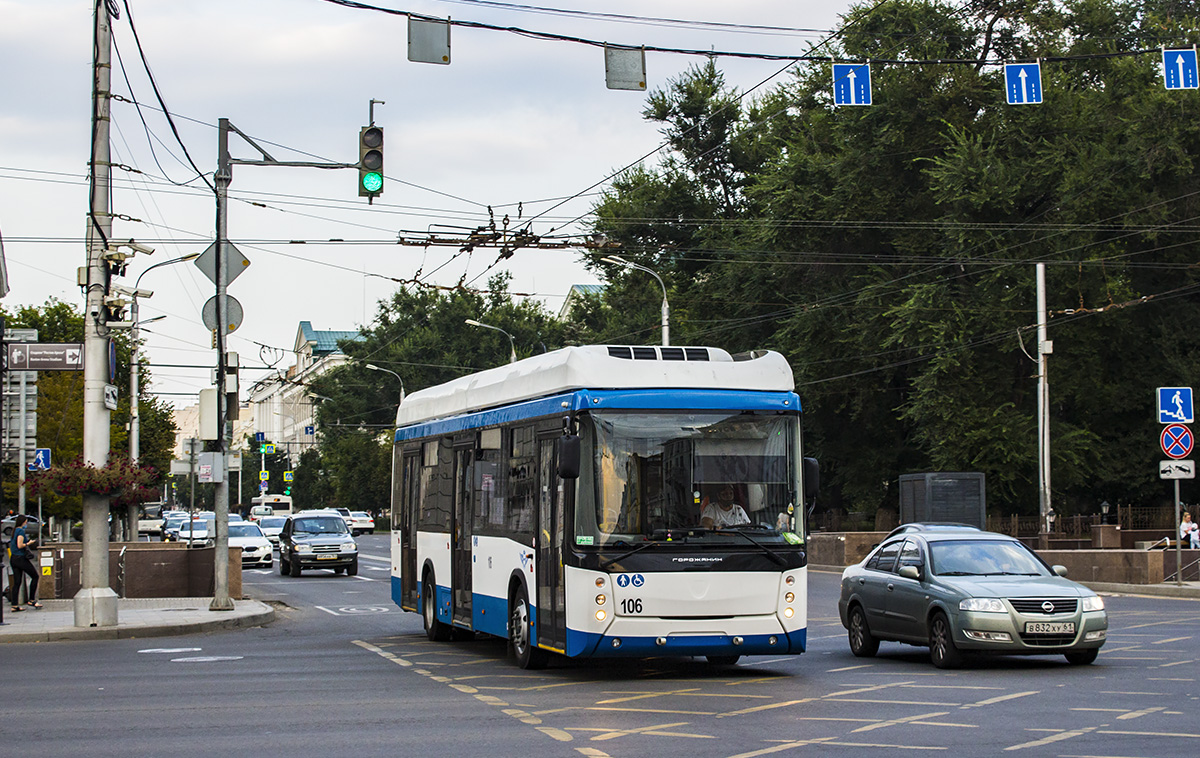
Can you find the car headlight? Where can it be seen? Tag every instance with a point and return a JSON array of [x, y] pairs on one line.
[[303, 548], [1093, 603], [349, 547], [982, 605]]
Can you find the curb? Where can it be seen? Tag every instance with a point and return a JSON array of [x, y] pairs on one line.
[[263, 614]]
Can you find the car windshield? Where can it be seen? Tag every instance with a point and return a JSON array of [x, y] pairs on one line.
[[196, 526], [244, 530], [360, 514], [319, 525], [272, 522], [984, 558]]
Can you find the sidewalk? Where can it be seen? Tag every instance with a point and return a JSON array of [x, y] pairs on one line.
[[136, 617]]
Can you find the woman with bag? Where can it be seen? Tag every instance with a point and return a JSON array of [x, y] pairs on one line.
[[22, 560]]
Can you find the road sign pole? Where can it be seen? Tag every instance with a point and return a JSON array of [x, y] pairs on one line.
[[224, 175], [23, 441], [1178, 542]]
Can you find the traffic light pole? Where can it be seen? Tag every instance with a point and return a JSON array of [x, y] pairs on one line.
[[221, 600]]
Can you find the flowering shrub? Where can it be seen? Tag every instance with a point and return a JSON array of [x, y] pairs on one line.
[[120, 479]]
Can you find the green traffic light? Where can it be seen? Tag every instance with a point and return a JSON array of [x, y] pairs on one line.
[[372, 181]]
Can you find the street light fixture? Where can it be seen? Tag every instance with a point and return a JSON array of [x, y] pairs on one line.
[[666, 308], [512, 355], [373, 367], [134, 369]]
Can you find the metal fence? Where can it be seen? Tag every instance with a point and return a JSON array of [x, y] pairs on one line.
[[1079, 526]]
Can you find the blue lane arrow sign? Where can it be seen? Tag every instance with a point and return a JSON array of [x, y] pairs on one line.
[[852, 84], [1023, 83], [1180, 69]]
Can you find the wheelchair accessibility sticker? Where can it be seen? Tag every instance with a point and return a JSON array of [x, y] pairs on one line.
[[625, 580]]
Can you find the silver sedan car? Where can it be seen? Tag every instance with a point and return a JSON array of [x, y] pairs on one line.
[[959, 591]]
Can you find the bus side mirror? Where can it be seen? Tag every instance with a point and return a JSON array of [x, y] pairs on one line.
[[812, 478], [568, 456]]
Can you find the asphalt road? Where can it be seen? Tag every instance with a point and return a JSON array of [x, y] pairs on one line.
[[343, 671]]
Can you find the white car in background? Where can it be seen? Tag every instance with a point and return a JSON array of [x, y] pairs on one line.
[[360, 522], [256, 548], [271, 527]]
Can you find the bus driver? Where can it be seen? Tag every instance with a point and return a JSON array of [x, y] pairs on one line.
[[724, 512]]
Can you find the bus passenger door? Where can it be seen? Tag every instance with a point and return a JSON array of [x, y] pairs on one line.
[[404, 515], [460, 529], [551, 606]]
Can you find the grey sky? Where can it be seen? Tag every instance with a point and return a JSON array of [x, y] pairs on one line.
[[511, 120]]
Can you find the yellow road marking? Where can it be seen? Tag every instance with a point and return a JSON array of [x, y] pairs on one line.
[[1139, 714], [1173, 639], [896, 722], [1053, 738], [849, 668], [1001, 699]]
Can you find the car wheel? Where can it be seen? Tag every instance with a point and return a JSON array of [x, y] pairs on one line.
[[284, 568], [435, 630], [1083, 657], [942, 651], [723, 660], [520, 633], [862, 643], [294, 567], [352, 569]]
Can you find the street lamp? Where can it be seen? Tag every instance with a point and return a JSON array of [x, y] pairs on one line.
[[134, 369], [666, 309], [512, 355], [373, 367]]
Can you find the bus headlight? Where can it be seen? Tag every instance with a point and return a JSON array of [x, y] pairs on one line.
[[601, 599], [601, 615], [789, 597], [788, 613]]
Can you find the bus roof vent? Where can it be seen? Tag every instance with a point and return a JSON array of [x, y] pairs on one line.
[[619, 352], [671, 353], [645, 354], [696, 353]]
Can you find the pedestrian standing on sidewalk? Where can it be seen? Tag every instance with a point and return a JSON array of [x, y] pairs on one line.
[[21, 547], [4, 571]]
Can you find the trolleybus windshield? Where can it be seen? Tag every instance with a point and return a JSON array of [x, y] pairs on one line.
[[694, 477]]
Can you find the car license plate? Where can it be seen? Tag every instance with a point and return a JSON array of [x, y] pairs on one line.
[[326, 557], [1043, 627]]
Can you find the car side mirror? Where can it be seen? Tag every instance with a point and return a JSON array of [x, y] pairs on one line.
[[911, 572], [1060, 570]]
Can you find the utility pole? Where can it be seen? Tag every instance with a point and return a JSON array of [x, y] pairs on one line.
[[221, 600], [1044, 348], [96, 604]]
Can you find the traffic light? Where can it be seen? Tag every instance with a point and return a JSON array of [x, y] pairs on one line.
[[370, 162], [287, 490]]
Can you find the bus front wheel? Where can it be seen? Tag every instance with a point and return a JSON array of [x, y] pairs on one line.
[[435, 630], [520, 633]]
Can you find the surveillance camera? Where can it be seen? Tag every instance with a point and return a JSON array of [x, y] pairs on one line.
[[95, 312], [138, 247]]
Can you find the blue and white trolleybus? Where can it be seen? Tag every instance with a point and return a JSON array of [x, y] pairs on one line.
[[607, 501]]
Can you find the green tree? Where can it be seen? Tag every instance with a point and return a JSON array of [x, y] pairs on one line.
[[421, 335], [60, 403], [889, 251]]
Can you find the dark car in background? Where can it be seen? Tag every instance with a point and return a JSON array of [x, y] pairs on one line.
[[962, 591], [317, 539]]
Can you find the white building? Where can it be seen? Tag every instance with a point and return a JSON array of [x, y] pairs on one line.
[[282, 407]]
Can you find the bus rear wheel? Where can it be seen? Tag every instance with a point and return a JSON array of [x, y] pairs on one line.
[[723, 660], [520, 633]]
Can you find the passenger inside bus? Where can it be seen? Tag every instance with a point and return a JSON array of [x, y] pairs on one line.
[[723, 512]]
